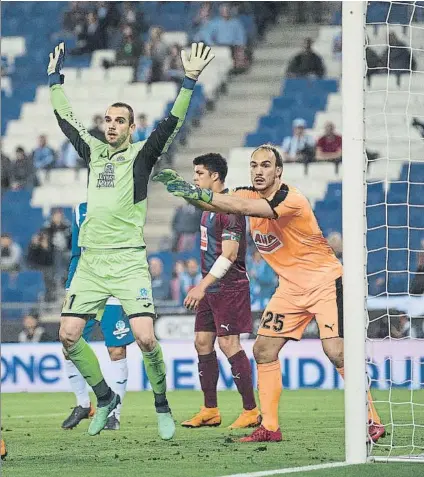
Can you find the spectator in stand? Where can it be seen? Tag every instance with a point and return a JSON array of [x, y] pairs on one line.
[[306, 63], [90, 35], [400, 327], [377, 285], [190, 278], [335, 241], [108, 15], [417, 285], [157, 50], [185, 226], [201, 19], [263, 281], [134, 18], [398, 57], [143, 129], [128, 52], [6, 171], [58, 230], [329, 146], [337, 46], [375, 64], [40, 257], [22, 171], [68, 157], [179, 269], [160, 283], [226, 30], [11, 254], [43, 156], [74, 16], [301, 146], [173, 66], [98, 130], [32, 331]]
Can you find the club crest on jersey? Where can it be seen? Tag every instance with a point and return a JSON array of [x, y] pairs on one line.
[[121, 329], [266, 243], [144, 294], [107, 177]]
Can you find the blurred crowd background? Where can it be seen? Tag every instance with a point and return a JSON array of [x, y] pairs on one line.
[[276, 78]]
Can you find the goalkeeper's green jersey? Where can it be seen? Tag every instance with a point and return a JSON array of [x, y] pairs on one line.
[[117, 185]]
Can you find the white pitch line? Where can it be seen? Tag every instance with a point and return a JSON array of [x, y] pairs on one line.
[[292, 470]]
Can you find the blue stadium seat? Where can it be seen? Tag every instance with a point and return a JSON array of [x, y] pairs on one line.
[[283, 103], [334, 190], [398, 283], [416, 194], [416, 217], [376, 216], [398, 193], [256, 139], [398, 237], [412, 172], [377, 238], [397, 215], [11, 295], [390, 12], [313, 86], [416, 236], [376, 261], [375, 193], [397, 260]]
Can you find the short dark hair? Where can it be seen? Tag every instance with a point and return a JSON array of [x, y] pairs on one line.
[[274, 150], [213, 162], [127, 106]]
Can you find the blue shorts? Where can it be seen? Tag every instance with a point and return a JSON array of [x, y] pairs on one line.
[[115, 327]]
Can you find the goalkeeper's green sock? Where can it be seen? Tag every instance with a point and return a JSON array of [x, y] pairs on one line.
[[156, 372], [87, 364]]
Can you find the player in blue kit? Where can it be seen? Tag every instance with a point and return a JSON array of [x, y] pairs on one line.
[[117, 334]]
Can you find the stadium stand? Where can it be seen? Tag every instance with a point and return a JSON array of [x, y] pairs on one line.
[[27, 114]]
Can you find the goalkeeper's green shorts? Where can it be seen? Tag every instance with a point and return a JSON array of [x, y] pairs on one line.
[[101, 274]]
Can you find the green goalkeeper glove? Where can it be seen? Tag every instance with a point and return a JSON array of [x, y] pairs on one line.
[[57, 59], [181, 188], [200, 57], [166, 175]]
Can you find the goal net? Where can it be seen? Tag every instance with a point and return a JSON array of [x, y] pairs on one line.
[[394, 172]]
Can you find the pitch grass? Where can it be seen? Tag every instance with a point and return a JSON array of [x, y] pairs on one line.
[[312, 423]]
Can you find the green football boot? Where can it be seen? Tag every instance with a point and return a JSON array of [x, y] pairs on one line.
[[100, 417], [166, 425]]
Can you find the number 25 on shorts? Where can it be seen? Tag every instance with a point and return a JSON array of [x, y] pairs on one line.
[[272, 321]]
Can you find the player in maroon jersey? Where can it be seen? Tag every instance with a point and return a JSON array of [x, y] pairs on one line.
[[221, 301]]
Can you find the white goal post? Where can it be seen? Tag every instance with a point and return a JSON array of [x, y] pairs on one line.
[[379, 104], [353, 208]]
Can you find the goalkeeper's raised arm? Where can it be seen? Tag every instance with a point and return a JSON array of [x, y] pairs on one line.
[[73, 129], [162, 137]]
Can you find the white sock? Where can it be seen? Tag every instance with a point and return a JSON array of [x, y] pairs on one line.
[[78, 384], [119, 384]]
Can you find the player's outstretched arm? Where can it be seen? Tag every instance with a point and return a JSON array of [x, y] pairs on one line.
[[73, 129], [167, 175], [223, 202], [162, 137]]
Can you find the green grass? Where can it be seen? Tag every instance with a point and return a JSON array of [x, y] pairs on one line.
[[312, 424]]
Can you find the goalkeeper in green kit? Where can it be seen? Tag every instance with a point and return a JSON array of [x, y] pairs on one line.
[[114, 262]]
